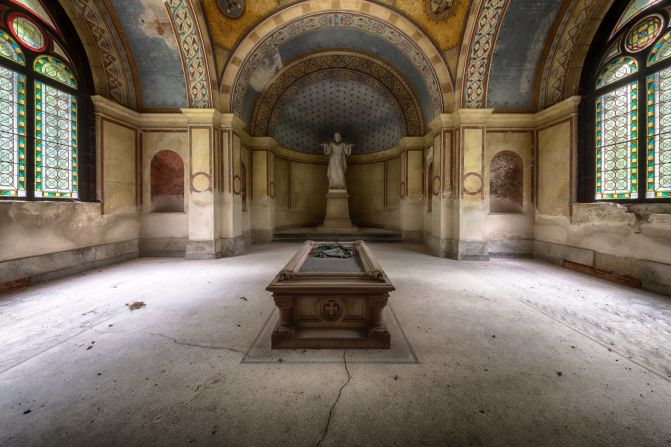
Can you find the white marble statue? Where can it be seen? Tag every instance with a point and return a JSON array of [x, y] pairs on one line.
[[337, 152]]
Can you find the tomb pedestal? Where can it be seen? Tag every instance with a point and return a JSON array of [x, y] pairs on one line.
[[337, 213], [331, 303]]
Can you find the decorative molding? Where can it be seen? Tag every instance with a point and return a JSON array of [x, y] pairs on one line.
[[386, 76], [480, 53], [564, 44], [116, 64], [192, 52]]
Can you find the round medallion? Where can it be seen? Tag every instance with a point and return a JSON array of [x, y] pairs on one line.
[[201, 182], [644, 33], [27, 32], [439, 9], [233, 9], [331, 309], [473, 183], [436, 185], [237, 185]]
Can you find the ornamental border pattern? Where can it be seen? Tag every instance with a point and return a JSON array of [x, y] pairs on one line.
[[115, 62], [192, 54], [325, 20], [384, 74], [483, 42], [564, 45]]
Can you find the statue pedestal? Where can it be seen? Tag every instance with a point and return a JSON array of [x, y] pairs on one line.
[[337, 213]]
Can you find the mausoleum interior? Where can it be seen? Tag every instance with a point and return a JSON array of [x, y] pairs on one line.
[[506, 164]]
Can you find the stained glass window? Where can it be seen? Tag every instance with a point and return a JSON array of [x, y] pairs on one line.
[[661, 51], [55, 143], [617, 143], [40, 106], [12, 133], [28, 33], [56, 70], [635, 8], [644, 33], [618, 69], [36, 8], [613, 51], [9, 49], [659, 135], [623, 162]]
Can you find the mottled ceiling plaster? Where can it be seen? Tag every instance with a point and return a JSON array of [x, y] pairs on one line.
[[356, 105], [445, 34], [290, 77], [519, 48], [149, 31]]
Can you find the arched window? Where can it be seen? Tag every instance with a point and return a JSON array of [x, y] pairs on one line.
[[626, 110], [43, 105]]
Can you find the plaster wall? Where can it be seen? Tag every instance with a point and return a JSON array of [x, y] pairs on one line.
[[163, 233], [45, 239], [510, 233], [631, 241]]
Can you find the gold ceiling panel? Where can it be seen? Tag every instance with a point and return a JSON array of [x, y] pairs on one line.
[[446, 33]]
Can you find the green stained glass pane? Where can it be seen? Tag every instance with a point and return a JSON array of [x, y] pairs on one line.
[[28, 33], [616, 144], [615, 70], [661, 51], [613, 51], [12, 134], [644, 33], [635, 7], [659, 135], [56, 70], [36, 8], [9, 49], [56, 170]]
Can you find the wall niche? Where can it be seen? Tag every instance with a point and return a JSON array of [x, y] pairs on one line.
[[167, 182], [506, 184]]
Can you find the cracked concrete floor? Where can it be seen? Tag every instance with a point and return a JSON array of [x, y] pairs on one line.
[[511, 352]]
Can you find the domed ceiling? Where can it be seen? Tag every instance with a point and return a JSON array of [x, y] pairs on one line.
[[502, 54]]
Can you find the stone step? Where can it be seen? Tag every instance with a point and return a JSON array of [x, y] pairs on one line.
[[321, 236]]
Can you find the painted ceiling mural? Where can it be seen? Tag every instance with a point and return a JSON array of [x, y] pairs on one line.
[[169, 53], [148, 28], [442, 20]]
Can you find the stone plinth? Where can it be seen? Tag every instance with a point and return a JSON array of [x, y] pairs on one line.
[[337, 213]]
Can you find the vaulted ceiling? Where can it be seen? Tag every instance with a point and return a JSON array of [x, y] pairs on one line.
[[417, 59]]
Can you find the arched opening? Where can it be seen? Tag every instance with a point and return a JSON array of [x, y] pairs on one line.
[[167, 182], [506, 184]]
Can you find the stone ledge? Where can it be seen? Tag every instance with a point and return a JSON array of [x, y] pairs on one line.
[[649, 275], [49, 266]]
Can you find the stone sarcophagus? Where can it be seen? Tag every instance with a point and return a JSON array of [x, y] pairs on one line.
[[331, 295]]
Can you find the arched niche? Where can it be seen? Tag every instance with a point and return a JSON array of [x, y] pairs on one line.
[[167, 182], [506, 183]]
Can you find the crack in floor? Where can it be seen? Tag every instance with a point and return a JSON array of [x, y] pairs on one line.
[[195, 345], [342, 387]]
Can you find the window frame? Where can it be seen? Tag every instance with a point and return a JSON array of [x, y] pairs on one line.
[[67, 38], [601, 43]]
